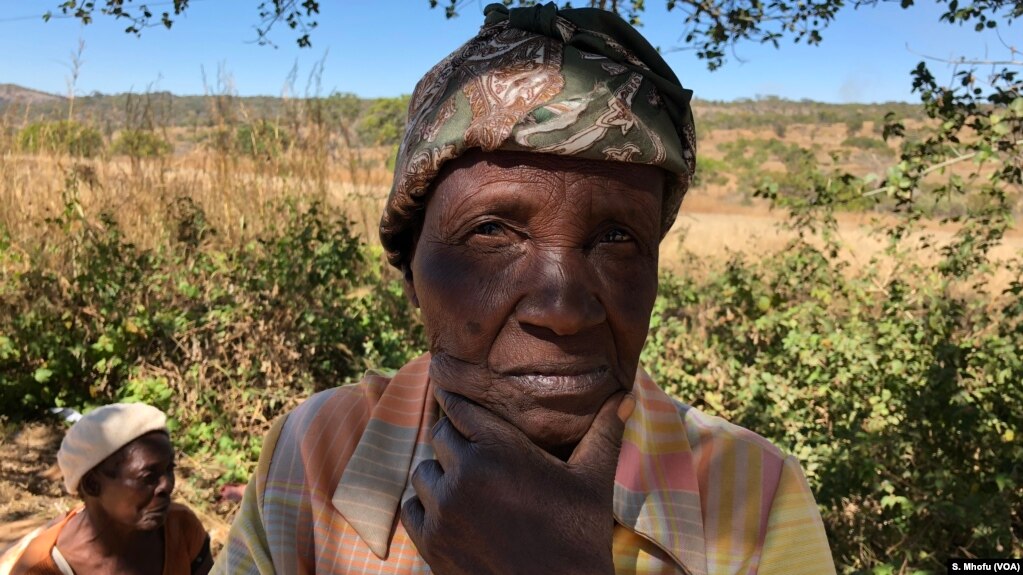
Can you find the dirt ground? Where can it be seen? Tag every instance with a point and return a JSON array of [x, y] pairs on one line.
[[30, 490]]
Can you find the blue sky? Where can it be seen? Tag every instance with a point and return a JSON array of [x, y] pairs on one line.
[[381, 47]]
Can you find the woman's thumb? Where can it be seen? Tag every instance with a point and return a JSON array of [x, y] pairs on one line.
[[600, 446]]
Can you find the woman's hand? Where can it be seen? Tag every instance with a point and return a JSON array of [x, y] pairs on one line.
[[493, 502]]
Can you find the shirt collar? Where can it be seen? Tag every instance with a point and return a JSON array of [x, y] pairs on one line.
[[656, 493]]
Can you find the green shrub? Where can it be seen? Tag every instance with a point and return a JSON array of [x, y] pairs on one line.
[[61, 137], [801, 176], [384, 121], [710, 172], [223, 340], [867, 143], [853, 125], [901, 399], [261, 139], [140, 144], [219, 139]]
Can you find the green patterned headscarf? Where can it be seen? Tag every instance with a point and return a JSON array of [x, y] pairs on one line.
[[574, 82]]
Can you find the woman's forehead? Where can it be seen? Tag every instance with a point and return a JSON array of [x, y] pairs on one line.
[[537, 179], [147, 449], [532, 161]]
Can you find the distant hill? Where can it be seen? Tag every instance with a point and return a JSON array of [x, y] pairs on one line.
[[14, 94], [111, 112], [114, 111]]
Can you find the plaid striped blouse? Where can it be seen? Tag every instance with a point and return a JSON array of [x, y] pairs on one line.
[[693, 494]]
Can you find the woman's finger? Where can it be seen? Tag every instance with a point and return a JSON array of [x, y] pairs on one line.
[[449, 446], [427, 480], [413, 515], [471, 421]]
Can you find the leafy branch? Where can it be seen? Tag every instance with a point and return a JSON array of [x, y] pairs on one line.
[[298, 15]]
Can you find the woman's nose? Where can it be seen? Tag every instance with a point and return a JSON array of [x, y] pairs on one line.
[[166, 485], [561, 294]]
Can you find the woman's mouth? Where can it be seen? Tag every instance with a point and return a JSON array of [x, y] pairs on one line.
[[159, 510], [569, 389]]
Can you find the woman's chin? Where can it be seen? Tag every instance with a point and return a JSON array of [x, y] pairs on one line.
[[150, 524], [152, 520], [555, 432]]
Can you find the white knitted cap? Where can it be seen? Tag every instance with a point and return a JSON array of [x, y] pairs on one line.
[[102, 432]]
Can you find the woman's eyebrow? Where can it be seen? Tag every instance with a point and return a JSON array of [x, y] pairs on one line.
[[501, 204], [626, 212], [156, 465]]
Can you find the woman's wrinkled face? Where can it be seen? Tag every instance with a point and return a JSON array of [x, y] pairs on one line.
[[135, 484], [536, 275]]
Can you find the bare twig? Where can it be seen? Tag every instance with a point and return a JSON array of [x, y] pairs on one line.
[[963, 60], [1012, 49], [75, 67]]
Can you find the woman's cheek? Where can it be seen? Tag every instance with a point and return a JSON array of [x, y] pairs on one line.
[[465, 299], [629, 292], [629, 284]]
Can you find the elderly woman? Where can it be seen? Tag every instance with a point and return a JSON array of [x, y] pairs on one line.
[[120, 461], [542, 164]]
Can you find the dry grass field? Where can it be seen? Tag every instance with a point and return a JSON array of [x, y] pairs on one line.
[[235, 193], [710, 227], [238, 194]]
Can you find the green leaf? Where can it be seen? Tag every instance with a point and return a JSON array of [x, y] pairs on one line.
[[42, 375]]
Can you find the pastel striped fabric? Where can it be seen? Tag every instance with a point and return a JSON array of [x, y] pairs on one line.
[[693, 494]]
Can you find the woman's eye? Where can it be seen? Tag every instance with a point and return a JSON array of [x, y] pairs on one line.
[[487, 229], [616, 235]]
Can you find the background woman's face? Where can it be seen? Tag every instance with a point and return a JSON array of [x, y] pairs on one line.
[[536, 275], [136, 492]]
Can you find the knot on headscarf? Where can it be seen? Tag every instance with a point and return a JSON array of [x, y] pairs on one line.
[[538, 19], [575, 82]]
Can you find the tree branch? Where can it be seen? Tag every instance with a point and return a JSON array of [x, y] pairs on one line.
[[935, 168], [970, 62]]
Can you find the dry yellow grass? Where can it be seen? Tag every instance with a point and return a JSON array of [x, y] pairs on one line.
[[240, 196]]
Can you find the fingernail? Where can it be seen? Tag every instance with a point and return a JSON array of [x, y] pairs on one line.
[[626, 407]]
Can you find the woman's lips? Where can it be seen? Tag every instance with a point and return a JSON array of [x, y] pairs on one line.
[[161, 510], [566, 389]]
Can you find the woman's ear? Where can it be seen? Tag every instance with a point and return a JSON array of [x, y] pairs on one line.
[[89, 485]]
